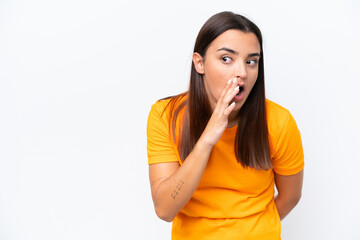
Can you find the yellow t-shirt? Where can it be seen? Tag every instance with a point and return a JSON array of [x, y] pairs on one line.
[[231, 202]]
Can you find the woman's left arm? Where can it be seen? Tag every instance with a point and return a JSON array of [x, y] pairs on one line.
[[289, 192]]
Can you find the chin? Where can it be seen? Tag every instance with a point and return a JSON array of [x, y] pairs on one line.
[[238, 106]]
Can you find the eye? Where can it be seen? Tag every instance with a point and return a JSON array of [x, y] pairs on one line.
[[226, 59], [252, 62]]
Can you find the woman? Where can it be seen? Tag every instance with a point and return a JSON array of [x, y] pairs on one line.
[[216, 151]]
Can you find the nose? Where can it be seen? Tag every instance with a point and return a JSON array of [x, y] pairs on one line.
[[240, 70]]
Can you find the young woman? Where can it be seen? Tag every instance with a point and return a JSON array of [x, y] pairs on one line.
[[216, 151]]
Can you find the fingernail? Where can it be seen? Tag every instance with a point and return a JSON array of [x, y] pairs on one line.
[[229, 81], [237, 88], [235, 80]]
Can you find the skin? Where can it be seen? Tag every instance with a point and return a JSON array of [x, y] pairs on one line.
[[230, 61], [289, 192], [233, 54]]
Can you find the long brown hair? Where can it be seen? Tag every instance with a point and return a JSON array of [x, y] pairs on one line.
[[251, 142]]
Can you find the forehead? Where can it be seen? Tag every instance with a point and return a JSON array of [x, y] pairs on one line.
[[237, 40]]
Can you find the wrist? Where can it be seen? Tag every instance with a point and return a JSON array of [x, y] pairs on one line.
[[203, 146]]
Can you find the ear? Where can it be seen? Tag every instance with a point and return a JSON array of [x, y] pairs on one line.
[[198, 62]]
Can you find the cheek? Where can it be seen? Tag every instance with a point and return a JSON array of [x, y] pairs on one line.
[[217, 76], [252, 77]]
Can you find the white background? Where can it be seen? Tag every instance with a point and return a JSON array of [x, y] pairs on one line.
[[78, 78]]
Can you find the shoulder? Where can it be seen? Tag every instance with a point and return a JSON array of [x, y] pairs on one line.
[[165, 107], [280, 121], [157, 115], [286, 150], [276, 112], [160, 105], [160, 146], [277, 117]]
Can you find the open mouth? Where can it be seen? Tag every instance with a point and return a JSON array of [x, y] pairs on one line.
[[241, 89]]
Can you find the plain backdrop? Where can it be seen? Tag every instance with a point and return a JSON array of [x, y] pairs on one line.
[[78, 78]]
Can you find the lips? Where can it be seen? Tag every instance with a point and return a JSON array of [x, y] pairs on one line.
[[240, 94]]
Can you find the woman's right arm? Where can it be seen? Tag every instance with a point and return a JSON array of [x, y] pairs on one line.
[[173, 185]]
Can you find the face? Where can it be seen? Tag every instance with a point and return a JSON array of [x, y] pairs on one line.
[[232, 54]]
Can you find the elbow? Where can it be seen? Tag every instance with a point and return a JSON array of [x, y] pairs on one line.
[[297, 198], [290, 201], [164, 215], [294, 200]]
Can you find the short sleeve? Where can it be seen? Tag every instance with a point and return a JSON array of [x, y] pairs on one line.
[[288, 158], [160, 148]]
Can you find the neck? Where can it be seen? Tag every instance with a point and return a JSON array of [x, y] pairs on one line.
[[232, 119]]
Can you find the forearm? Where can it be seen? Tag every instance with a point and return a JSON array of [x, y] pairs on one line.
[[289, 192], [284, 205], [176, 190]]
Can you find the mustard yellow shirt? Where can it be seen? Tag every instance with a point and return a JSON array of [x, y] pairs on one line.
[[231, 202]]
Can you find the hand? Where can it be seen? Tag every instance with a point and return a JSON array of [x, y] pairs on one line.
[[219, 118]]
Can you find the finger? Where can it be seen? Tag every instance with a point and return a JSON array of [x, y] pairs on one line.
[[226, 90], [223, 92], [228, 110], [230, 94]]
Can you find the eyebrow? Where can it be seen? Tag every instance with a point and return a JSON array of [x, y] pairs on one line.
[[236, 53], [228, 50]]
